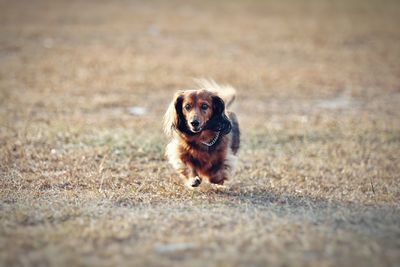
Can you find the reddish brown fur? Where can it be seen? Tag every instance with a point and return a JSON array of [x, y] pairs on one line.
[[195, 100], [202, 161], [187, 153]]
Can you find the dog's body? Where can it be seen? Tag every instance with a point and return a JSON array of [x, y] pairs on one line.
[[205, 138]]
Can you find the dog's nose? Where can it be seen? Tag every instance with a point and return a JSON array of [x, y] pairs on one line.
[[195, 123]]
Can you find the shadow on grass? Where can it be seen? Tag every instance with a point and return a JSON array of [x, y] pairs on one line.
[[377, 220]]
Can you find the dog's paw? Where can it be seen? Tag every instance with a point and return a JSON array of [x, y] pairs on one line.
[[194, 181], [219, 180]]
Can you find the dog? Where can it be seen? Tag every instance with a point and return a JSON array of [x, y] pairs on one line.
[[205, 137]]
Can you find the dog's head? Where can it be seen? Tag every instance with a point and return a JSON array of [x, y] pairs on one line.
[[193, 111]]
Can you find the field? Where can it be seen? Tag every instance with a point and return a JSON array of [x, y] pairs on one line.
[[83, 176]]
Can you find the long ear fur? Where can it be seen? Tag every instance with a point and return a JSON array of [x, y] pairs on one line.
[[219, 121], [173, 116]]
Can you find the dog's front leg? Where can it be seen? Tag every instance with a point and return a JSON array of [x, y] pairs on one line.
[[218, 178], [189, 175], [192, 179], [187, 172]]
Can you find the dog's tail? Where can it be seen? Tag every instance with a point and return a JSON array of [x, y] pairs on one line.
[[225, 91]]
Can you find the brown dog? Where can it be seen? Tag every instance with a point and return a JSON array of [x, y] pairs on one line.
[[205, 138]]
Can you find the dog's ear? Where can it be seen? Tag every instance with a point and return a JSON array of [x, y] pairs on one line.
[[218, 105], [173, 117], [219, 121]]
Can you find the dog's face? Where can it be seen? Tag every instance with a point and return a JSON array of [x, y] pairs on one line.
[[197, 109], [192, 111]]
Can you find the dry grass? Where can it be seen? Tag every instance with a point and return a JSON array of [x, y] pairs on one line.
[[84, 182]]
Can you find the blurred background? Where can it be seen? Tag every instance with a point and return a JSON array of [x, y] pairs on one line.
[[105, 51], [83, 88]]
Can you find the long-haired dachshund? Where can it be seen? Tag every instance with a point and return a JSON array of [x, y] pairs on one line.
[[205, 137]]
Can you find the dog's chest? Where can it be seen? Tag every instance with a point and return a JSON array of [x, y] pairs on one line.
[[204, 161]]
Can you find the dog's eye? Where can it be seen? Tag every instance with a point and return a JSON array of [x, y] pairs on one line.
[[187, 107], [204, 107]]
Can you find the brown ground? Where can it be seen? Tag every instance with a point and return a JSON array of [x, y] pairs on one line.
[[84, 181]]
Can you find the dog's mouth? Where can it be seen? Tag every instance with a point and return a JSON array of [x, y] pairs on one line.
[[195, 129]]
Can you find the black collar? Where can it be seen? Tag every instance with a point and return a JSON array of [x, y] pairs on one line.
[[212, 141]]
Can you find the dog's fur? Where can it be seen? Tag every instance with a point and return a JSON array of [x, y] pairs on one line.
[[205, 137]]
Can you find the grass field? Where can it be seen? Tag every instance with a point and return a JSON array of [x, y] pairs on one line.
[[83, 177]]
